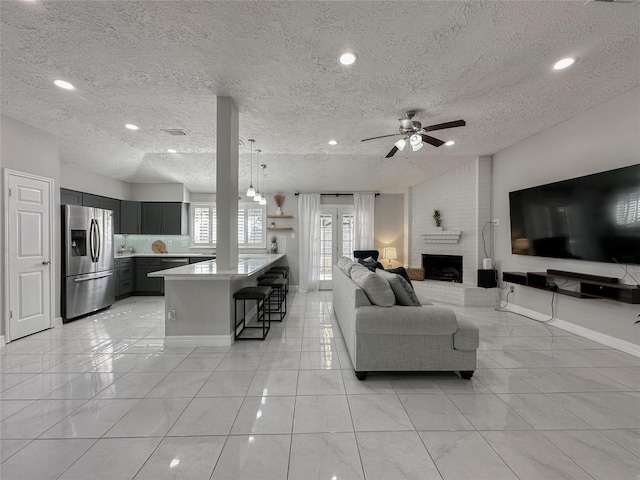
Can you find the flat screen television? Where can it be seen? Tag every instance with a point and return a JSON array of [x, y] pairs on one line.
[[594, 218]]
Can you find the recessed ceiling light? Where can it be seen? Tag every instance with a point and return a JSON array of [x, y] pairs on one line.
[[130, 126], [171, 150], [65, 85], [333, 142], [563, 63], [348, 58], [449, 143]]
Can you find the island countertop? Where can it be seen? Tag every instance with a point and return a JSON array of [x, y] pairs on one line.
[[248, 264]]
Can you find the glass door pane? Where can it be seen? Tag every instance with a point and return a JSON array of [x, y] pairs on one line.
[[326, 245]]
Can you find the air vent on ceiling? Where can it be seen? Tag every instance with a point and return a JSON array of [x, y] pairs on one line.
[[176, 132], [613, 1]]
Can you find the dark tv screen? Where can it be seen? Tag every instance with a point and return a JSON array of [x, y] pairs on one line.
[[594, 218]]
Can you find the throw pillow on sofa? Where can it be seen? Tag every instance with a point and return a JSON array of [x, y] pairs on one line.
[[376, 288], [370, 264], [345, 264], [402, 272], [404, 293]]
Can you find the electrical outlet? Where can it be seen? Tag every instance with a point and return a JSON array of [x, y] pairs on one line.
[[171, 315], [512, 288], [169, 243], [496, 221]]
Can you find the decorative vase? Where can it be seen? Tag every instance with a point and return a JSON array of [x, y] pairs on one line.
[[279, 211], [273, 248], [439, 229]]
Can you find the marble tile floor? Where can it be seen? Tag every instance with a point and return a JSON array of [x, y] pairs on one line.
[[104, 398]]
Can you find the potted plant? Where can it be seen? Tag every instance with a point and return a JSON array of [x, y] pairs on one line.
[[273, 248], [279, 199], [437, 218]]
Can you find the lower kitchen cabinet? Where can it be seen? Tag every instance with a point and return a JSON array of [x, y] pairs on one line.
[[124, 268], [146, 285]]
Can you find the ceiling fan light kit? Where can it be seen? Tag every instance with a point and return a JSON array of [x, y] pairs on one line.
[[416, 133]]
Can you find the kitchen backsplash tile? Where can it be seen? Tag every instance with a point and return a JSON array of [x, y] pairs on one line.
[[142, 243]]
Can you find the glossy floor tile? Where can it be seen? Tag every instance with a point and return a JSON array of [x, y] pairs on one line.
[[104, 398]]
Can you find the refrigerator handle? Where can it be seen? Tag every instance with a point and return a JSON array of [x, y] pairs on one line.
[[98, 241], [92, 242]]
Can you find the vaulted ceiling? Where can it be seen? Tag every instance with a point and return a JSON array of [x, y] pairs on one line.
[[161, 64]]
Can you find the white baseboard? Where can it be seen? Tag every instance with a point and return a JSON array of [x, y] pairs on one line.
[[2, 342], [199, 340], [604, 339]]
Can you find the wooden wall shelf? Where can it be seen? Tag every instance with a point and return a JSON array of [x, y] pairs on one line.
[[279, 228], [279, 216], [619, 292]]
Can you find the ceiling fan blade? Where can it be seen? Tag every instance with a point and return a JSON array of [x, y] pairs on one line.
[[442, 126], [381, 136], [392, 152], [431, 140]]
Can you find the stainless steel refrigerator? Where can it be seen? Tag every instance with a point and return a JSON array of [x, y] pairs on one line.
[[89, 280]]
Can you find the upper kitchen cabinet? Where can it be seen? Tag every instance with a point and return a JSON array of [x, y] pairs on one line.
[[130, 217], [165, 218], [89, 200], [70, 197]]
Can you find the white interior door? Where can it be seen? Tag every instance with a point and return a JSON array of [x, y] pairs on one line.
[[336, 240], [29, 251]]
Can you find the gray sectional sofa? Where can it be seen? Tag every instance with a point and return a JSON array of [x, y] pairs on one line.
[[401, 338]]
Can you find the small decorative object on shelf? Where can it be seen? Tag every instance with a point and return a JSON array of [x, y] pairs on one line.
[[273, 224], [273, 248], [437, 218], [279, 199]]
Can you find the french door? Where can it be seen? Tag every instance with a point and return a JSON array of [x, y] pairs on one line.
[[336, 239]]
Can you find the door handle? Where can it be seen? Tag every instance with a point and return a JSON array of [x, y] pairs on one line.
[[46, 262]]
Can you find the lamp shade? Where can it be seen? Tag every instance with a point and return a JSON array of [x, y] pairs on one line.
[[389, 253], [401, 143]]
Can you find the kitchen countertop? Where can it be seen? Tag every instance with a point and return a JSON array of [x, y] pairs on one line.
[[248, 264], [151, 254]]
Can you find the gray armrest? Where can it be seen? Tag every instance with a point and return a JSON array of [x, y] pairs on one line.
[[401, 320], [467, 337]]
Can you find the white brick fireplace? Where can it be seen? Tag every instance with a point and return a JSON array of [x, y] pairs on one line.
[[463, 197]]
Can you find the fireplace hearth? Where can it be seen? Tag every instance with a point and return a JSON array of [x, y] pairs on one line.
[[447, 268]]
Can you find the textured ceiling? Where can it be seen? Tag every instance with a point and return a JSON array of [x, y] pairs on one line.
[[160, 64]]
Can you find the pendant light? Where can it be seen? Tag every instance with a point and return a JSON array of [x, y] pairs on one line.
[[257, 197], [251, 191], [263, 200]]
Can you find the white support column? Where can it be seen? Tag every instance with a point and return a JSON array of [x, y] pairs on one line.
[[227, 134]]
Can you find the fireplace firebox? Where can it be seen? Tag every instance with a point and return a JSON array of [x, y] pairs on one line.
[[447, 268]]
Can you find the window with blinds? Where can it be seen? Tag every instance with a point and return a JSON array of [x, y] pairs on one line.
[[251, 225]]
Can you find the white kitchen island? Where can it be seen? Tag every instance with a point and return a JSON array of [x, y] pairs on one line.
[[198, 298]]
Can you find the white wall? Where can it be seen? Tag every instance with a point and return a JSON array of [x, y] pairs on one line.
[[603, 138], [159, 192], [31, 150], [389, 226], [463, 198], [75, 178]]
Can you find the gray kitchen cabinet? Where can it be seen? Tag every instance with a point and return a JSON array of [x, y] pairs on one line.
[[175, 219], [130, 217], [124, 270], [97, 201], [70, 197], [145, 285], [165, 218]]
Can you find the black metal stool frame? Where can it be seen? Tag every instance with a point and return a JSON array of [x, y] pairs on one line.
[[263, 307]]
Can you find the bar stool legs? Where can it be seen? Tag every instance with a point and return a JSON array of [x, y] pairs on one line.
[[260, 295], [278, 299]]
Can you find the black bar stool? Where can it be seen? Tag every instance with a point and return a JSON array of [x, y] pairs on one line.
[[277, 301], [261, 295], [281, 269]]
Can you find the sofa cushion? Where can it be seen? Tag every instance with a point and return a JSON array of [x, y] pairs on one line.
[[401, 289], [345, 264], [370, 264], [399, 320], [376, 288], [402, 272]]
